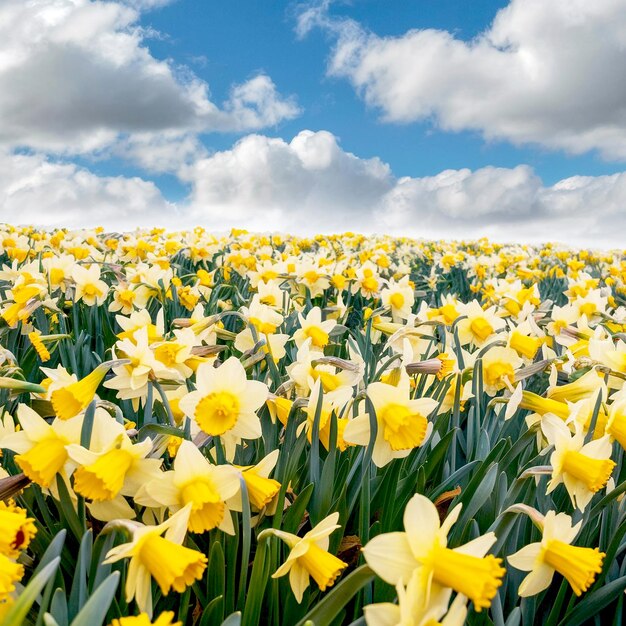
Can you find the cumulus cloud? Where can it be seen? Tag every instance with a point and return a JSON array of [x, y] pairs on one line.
[[549, 73], [75, 75], [36, 190], [307, 184], [311, 185]]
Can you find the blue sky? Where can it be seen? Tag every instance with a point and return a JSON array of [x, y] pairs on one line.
[[499, 118], [227, 44]]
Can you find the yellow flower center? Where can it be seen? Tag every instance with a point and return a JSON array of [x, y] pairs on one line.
[[166, 353], [44, 460], [217, 413], [269, 299], [594, 473], [475, 577], [329, 381], [524, 345], [578, 565], [207, 508], [588, 309], [91, 290], [171, 565], [260, 490], [321, 565], [318, 337], [57, 275], [16, 530], [449, 313], [263, 327], [481, 328], [617, 428], [103, 479], [69, 401], [396, 300], [370, 284], [401, 429], [496, 374]]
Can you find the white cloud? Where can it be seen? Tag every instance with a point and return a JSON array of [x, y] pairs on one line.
[[311, 185], [75, 75], [549, 73], [35, 190]]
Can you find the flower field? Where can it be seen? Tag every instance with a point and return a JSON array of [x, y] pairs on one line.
[[253, 429]]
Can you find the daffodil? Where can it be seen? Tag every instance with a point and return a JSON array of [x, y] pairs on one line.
[[402, 422], [194, 481], [119, 469], [225, 402], [325, 404], [399, 297], [16, 529], [41, 447], [479, 325], [411, 610], [499, 364], [423, 547], [312, 327], [172, 565], [89, 287], [70, 400], [261, 488], [554, 553], [309, 558], [584, 468]]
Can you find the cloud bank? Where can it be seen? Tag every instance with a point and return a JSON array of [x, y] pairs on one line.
[[310, 184]]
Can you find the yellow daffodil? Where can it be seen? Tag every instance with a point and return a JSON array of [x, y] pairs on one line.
[[41, 447], [309, 558], [16, 529], [554, 553], [70, 400], [225, 402], [172, 565], [195, 482], [423, 546], [10, 573], [584, 468], [411, 610], [402, 422], [312, 327]]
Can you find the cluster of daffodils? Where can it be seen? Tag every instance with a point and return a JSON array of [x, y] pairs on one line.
[[237, 424]]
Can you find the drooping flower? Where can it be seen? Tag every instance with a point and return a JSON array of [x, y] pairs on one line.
[[164, 558], [554, 553], [309, 558], [584, 468]]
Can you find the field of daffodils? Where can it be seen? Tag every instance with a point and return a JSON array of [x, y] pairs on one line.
[[263, 429]]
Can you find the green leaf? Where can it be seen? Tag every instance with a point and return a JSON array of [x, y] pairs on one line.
[[594, 603], [95, 609]]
